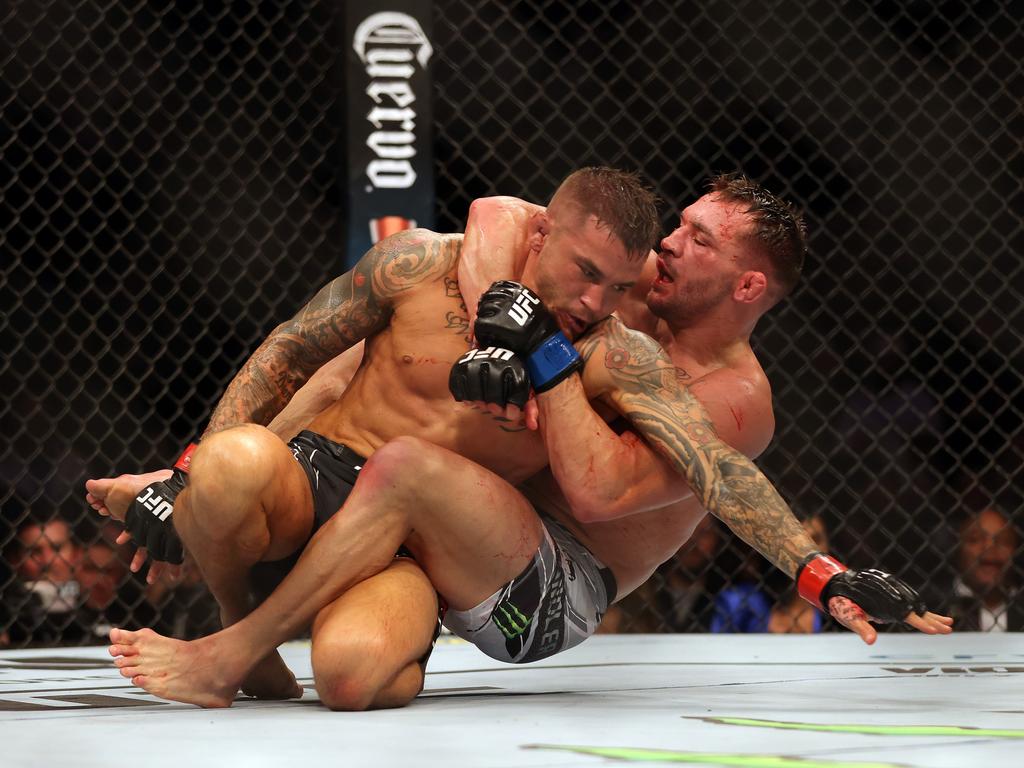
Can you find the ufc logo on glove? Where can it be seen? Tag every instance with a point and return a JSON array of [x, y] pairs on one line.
[[155, 504], [522, 307], [487, 353]]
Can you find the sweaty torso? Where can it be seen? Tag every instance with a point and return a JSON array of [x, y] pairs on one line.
[[401, 387], [631, 546], [738, 398]]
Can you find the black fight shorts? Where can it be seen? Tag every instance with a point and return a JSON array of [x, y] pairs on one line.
[[331, 469]]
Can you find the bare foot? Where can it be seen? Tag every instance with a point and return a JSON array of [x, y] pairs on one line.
[[192, 672], [271, 679], [110, 496]]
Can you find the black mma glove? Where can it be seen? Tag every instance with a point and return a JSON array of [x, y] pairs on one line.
[[511, 316], [149, 517], [882, 596], [491, 375]]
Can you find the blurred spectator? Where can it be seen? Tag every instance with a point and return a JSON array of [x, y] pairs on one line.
[[47, 593], [676, 598], [985, 589], [103, 578], [184, 607], [752, 605]]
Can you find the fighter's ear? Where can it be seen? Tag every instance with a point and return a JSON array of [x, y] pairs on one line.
[[539, 226], [751, 286]]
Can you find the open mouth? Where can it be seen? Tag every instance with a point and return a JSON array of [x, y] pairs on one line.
[[663, 275], [571, 324]]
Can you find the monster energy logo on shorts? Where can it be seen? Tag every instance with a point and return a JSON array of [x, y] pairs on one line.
[[510, 620]]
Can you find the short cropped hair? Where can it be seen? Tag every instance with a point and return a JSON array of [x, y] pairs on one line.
[[779, 229], [619, 200]]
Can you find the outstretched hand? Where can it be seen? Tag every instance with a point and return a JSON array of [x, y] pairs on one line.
[[851, 616]]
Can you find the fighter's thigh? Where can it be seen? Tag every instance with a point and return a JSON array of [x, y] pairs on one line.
[[471, 531], [363, 639], [250, 479]]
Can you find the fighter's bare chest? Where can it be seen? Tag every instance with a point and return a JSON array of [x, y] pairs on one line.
[[425, 338]]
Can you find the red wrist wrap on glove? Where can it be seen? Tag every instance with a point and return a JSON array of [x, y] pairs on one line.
[[813, 577], [185, 460]]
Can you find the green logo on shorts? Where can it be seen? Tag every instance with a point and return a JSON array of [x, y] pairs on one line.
[[510, 620]]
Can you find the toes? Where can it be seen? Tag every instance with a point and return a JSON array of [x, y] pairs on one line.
[[130, 672], [118, 636], [123, 650]]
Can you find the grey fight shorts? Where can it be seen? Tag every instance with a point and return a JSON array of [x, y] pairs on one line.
[[556, 603]]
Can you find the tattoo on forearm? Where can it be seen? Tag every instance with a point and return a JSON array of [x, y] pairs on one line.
[[349, 308], [674, 421]]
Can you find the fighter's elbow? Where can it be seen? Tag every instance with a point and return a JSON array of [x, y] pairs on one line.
[[593, 506]]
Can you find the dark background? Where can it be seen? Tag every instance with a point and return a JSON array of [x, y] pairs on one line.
[[173, 187]]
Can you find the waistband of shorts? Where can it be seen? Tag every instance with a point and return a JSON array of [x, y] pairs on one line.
[[340, 452], [611, 587]]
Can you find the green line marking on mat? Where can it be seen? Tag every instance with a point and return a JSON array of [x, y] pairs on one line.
[[633, 755], [872, 730]]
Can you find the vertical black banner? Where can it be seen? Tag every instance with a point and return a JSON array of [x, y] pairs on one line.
[[390, 162]]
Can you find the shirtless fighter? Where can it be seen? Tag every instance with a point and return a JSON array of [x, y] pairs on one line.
[[252, 502], [524, 586]]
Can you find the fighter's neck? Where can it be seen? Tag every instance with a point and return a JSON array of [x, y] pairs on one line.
[[707, 342]]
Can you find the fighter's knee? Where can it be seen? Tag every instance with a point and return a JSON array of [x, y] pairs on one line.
[[241, 451], [358, 695], [341, 695], [390, 464], [345, 679], [229, 468]]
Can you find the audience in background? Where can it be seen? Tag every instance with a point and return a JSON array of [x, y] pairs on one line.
[[985, 591], [763, 600], [185, 608], [677, 598], [108, 599], [66, 592], [63, 589], [46, 594]]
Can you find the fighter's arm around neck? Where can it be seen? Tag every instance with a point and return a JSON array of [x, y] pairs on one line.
[[495, 245], [348, 309], [633, 373]]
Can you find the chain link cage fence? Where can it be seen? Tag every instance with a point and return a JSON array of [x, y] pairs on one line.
[[171, 189]]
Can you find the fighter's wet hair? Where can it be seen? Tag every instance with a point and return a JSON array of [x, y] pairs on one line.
[[619, 200], [778, 230]]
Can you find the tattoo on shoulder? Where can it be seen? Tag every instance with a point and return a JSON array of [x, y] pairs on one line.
[[403, 261], [633, 360], [350, 308], [651, 394]]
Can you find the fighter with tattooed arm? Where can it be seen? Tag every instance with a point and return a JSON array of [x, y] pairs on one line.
[[500, 565]]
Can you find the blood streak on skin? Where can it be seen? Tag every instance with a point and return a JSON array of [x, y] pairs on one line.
[[360, 280], [738, 415]]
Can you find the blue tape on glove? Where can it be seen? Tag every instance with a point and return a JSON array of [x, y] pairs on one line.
[[552, 361]]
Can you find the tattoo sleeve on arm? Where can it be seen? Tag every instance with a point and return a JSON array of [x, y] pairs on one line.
[[352, 307], [646, 389]]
